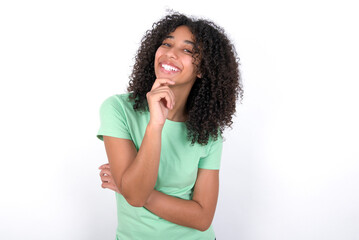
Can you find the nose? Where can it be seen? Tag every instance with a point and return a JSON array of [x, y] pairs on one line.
[[171, 53]]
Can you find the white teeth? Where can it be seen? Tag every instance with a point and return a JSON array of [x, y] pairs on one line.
[[169, 68]]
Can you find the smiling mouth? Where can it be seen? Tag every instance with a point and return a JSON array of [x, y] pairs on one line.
[[170, 68]]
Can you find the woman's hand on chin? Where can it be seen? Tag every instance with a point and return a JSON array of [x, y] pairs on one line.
[[160, 100]]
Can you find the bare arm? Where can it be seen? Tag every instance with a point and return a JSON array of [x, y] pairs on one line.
[[135, 174], [197, 213]]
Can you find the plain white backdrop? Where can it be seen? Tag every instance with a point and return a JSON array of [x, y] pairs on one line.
[[290, 165]]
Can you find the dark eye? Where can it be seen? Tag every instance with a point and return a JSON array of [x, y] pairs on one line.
[[166, 44], [187, 51]]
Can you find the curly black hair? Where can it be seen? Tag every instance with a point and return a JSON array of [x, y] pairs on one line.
[[212, 100]]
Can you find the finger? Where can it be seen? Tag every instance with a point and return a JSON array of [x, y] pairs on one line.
[[168, 99], [106, 179], [170, 92], [161, 81], [109, 186], [106, 165], [105, 171], [172, 96], [167, 93]]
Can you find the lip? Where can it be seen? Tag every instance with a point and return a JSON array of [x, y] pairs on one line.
[[169, 64]]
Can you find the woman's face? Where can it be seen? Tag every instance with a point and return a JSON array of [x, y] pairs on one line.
[[173, 59]]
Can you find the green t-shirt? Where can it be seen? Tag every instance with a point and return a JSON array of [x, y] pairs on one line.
[[177, 173]]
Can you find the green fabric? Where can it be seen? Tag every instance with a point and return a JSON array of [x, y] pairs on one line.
[[179, 163]]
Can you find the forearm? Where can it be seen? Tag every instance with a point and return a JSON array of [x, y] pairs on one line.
[[183, 212], [140, 177]]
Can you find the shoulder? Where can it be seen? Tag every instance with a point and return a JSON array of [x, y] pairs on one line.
[[212, 142], [213, 152], [114, 112], [118, 98], [118, 101], [214, 146]]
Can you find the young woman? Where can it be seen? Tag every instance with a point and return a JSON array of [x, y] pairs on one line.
[[163, 138]]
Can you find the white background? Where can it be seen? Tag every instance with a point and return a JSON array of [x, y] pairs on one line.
[[290, 166]]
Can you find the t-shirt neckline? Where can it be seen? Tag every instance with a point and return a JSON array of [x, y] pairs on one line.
[[174, 122]]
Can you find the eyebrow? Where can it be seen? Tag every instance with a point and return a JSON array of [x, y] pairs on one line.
[[186, 41]]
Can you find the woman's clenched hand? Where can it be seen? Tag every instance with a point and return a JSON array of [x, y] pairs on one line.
[[106, 178]]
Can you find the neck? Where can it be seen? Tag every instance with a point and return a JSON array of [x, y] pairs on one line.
[[178, 113]]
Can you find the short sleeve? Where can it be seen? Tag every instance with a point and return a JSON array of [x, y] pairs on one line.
[[113, 121], [213, 159]]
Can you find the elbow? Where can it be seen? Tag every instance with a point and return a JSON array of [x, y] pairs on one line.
[[134, 202], [203, 228], [205, 219], [204, 225], [132, 199]]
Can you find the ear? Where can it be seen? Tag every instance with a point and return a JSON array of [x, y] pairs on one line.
[[199, 75]]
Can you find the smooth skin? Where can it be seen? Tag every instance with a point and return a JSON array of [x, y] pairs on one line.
[[133, 174]]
